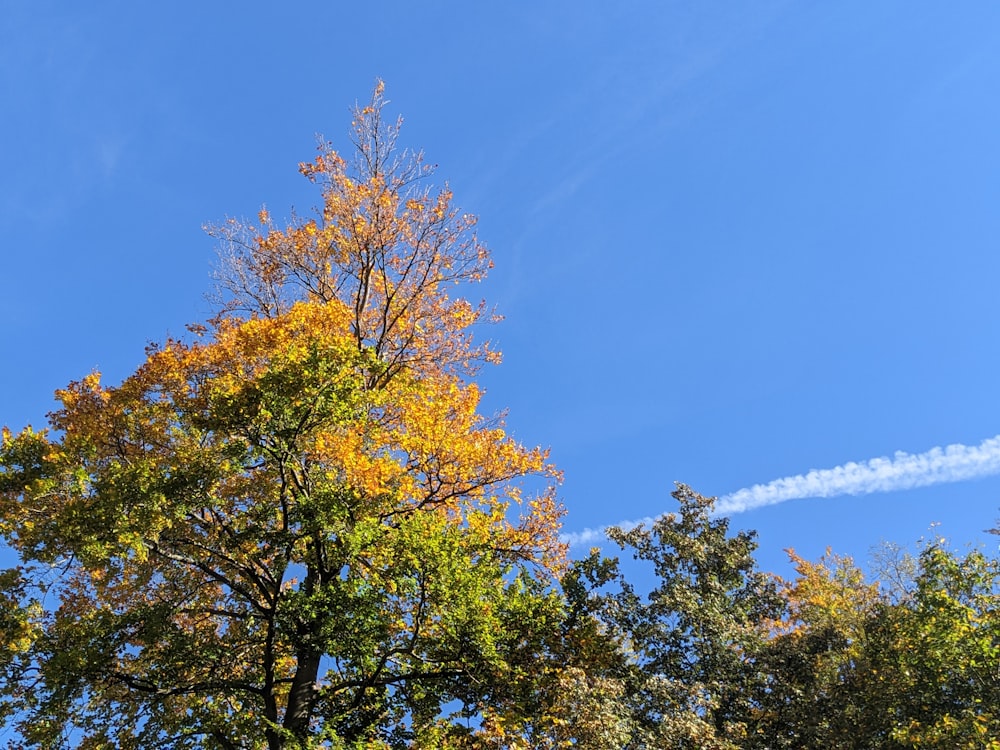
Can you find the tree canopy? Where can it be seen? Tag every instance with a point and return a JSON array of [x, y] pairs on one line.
[[295, 528]]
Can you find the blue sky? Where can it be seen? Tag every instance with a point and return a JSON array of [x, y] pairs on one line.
[[733, 242]]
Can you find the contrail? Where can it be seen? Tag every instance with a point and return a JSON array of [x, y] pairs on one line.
[[954, 463]]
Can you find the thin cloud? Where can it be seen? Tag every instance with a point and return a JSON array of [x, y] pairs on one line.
[[903, 471], [599, 535]]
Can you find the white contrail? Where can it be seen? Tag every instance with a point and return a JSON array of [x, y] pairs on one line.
[[903, 471]]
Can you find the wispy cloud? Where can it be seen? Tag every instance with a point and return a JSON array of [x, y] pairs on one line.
[[903, 471], [598, 535], [954, 463]]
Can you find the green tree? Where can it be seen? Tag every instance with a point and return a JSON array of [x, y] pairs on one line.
[[295, 529], [945, 664], [855, 665], [568, 687], [689, 648]]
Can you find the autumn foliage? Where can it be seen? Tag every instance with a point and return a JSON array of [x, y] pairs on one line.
[[384, 243], [295, 528]]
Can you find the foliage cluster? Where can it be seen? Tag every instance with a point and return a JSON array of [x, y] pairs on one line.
[[296, 529]]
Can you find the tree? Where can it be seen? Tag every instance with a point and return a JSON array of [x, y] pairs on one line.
[[821, 689], [945, 667], [688, 650], [857, 666], [294, 529], [567, 687]]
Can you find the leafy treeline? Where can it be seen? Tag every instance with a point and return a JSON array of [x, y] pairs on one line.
[[720, 655], [295, 529]]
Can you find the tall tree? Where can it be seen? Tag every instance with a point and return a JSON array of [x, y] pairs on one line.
[[295, 529], [690, 645]]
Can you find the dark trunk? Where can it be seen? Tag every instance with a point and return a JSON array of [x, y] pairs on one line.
[[302, 695]]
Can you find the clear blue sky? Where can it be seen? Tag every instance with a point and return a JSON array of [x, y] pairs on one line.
[[733, 242]]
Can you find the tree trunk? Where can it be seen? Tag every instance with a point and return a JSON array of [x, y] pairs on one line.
[[302, 695]]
